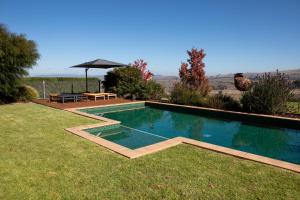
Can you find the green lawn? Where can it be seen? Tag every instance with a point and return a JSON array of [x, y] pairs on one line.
[[39, 160]]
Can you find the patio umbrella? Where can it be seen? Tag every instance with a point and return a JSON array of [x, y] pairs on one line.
[[99, 64]]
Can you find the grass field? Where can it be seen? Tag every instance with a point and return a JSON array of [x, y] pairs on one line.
[[39, 160]]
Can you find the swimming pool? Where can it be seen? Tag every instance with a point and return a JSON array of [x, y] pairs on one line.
[[143, 125]]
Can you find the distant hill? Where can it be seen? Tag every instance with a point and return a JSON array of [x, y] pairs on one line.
[[216, 82], [227, 79], [222, 80]]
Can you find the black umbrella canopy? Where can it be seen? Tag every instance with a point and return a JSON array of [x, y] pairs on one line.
[[100, 64]]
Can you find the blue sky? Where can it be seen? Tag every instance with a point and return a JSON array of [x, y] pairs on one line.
[[238, 36]]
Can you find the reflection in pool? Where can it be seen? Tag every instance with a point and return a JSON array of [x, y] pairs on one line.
[[274, 142]]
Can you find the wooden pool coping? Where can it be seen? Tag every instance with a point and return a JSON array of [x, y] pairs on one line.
[[129, 153]]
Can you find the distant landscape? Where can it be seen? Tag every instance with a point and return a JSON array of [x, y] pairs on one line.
[[222, 82], [225, 82]]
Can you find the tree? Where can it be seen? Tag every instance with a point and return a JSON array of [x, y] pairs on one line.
[[242, 83], [17, 54], [126, 82], [142, 66], [192, 73]]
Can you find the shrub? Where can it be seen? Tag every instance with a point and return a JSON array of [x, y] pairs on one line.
[[225, 102], [128, 82], [182, 94], [296, 83], [111, 80], [153, 90], [27, 93], [269, 95]]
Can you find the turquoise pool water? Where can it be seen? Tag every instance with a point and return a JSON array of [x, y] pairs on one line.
[[143, 126]]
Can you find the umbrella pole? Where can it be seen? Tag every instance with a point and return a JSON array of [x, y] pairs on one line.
[[86, 80]]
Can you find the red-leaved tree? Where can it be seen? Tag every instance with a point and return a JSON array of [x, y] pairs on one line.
[[192, 73], [142, 66]]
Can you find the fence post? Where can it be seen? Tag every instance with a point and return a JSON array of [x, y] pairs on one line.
[[44, 89], [99, 84]]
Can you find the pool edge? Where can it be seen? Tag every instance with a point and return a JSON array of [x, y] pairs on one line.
[[129, 153]]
